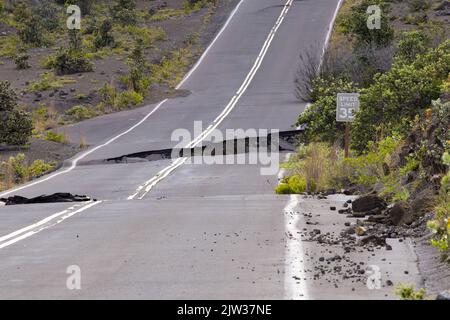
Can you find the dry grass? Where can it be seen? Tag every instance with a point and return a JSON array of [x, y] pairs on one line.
[[320, 165]]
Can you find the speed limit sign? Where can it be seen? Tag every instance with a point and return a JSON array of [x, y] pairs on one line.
[[347, 106]]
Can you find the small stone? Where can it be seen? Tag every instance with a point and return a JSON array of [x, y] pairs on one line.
[[333, 208], [360, 231]]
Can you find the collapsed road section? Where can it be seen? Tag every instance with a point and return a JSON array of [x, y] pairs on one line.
[[284, 141], [53, 198]]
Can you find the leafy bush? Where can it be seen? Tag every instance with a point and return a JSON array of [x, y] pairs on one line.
[[16, 125], [80, 113], [396, 97], [354, 24], [128, 98], [440, 225], [369, 168], [32, 32], [21, 61], [104, 37], [70, 62], [49, 15], [320, 117], [124, 12], [407, 292], [16, 170], [411, 44], [292, 185]]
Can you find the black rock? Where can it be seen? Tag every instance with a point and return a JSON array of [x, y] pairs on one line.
[[368, 203], [444, 295]]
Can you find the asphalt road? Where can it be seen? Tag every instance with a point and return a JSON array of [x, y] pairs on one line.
[[188, 231]]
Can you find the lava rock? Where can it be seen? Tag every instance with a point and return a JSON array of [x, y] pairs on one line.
[[377, 240], [400, 213], [368, 203]]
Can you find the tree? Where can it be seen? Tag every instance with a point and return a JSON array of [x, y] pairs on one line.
[[16, 125]]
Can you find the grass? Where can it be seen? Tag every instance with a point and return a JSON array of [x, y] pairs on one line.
[[50, 81], [165, 14], [9, 46], [54, 136], [172, 68], [80, 113], [408, 292], [316, 167], [45, 118], [16, 170]]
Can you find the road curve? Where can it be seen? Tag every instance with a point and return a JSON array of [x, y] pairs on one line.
[[202, 232]]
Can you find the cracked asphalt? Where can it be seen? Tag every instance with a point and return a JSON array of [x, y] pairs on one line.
[[205, 231]]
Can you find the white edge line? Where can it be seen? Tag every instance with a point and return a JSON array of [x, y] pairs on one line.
[[203, 56], [83, 155], [295, 257], [295, 253], [330, 31]]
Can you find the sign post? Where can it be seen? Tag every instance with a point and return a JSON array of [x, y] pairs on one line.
[[347, 105]]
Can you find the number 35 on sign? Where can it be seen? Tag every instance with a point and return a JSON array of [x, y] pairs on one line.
[[347, 106]]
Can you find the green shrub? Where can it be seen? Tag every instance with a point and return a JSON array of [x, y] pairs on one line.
[[440, 225], [49, 81], [172, 68], [128, 98], [21, 61], [49, 15], [16, 125], [316, 167], [104, 37], [407, 292], [396, 97], [369, 168], [16, 170], [354, 24], [124, 12], [56, 137], [32, 32], [80, 113], [71, 62], [294, 185], [411, 44]]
